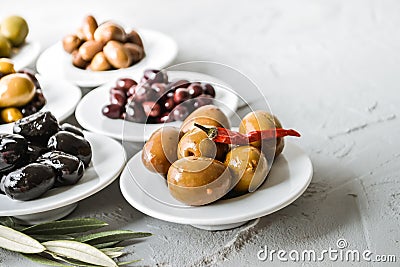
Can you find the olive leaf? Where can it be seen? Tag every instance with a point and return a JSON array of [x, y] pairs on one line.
[[70, 262], [43, 238], [43, 260], [128, 262], [16, 241], [64, 227], [111, 236], [79, 251], [106, 245]]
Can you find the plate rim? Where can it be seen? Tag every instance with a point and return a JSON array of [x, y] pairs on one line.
[[36, 48], [211, 222]]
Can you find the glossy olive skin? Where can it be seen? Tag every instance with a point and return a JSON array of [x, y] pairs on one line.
[[262, 120], [15, 29], [248, 167], [16, 90], [33, 153], [205, 115], [72, 129], [37, 127], [196, 143], [198, 181], [5, 47], [69, 169], [160, 151], [73, 144], [6, 66], [29, 182], [13, 148]]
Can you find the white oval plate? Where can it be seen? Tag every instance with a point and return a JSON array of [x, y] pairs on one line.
[[88, 112], [290, 175], [61, 96], [54, 62], [103, 170], [25, 55]]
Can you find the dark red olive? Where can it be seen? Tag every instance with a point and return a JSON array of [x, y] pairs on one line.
[[179, 84], [140, 94], [13, 148], [169, 103], [135, 112], [160, 89], [125, 83], [112, 111], [151, 109], [72, 129], [181, 95], [180, 113], [205, 100], [38, 100], [195, 89], [29, 182], [209, 90], [131, 90], [155, 76], [118, 98]]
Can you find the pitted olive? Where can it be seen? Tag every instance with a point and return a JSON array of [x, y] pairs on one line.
[[16, 90]]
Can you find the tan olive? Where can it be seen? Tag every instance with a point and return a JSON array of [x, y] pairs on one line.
[[262, 120], [6, 66], [9, 115], [16, 90], [81, 35], [137, 52], [89, 26], [15, 29], [5, 47], [198, 181], [99, 63], [90, 48], [78, 61], [196, 143], [118, 56], [248, 166], [71, 42], [206, 115], [134, 38], [159, 152], [109, 31]]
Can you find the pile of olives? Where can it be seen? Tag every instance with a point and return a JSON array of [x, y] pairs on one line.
[[155, 99], [200, 171], [13, 32], [103, 47], [41, 154], [20, 93]]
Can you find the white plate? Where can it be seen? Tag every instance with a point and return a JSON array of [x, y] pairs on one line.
[[25, 55], [88, 112], [290, 175], [61, 96], [103, 170], [54, 62]]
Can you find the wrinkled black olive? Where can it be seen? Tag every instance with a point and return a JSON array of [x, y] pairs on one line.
[[33, 153], [71, 144], [72, 129], [38, 127], [13, 147], [29, 182], [69, 169]]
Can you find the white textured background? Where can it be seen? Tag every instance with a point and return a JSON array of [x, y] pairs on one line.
[[330, 69]]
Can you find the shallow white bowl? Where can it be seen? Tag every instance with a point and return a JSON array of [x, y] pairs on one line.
[[25, 55], [290, 175]]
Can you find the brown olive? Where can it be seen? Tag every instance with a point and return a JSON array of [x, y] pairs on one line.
[[6, 66], [198, 181], [16, 90], [262, 120], [248, 166], [99, 63], [136, 51], [109, 31], [89, 26], [134, 38], [9, 115], [206, 115], [117, 54], [196, 143], [90, 48], [159, 152], [78, 61], [71, 42], [81, 35]]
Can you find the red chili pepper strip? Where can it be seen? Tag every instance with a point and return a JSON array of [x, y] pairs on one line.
[[270, 134]]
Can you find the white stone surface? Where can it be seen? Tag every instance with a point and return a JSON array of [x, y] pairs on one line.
[[330, 69]]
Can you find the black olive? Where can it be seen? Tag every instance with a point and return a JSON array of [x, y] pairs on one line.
[[29, 182], [69, 169], [71, 144], [13, 147], [72, 129], [38, 127], [33, 153]]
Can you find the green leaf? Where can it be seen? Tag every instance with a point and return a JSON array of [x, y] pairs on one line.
[[69, 261], [122, 263], [111, 236], [43, 238], [7, 221], [79, 251], [114, 255], [42, 260], [65, 227], [13, 240], [106, 245]]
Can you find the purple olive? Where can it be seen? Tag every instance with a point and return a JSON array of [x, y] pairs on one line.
[[125, 83], [195, 89], [140, 94], [209, 90], [181, 95], [179, 84], [135, 112], [151, 109], [112, 111], [169, 103], [205, 99], [131, 90], [155, 76], [118, 98]]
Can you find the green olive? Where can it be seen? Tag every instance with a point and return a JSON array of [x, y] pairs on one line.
[[262, 120], [159, 152], [16, 90], [198, 181], [248, 166], [196, 143], [118, 56], [5, 47], [15, 29], [9, 115], [206, 115], [6, 66]]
